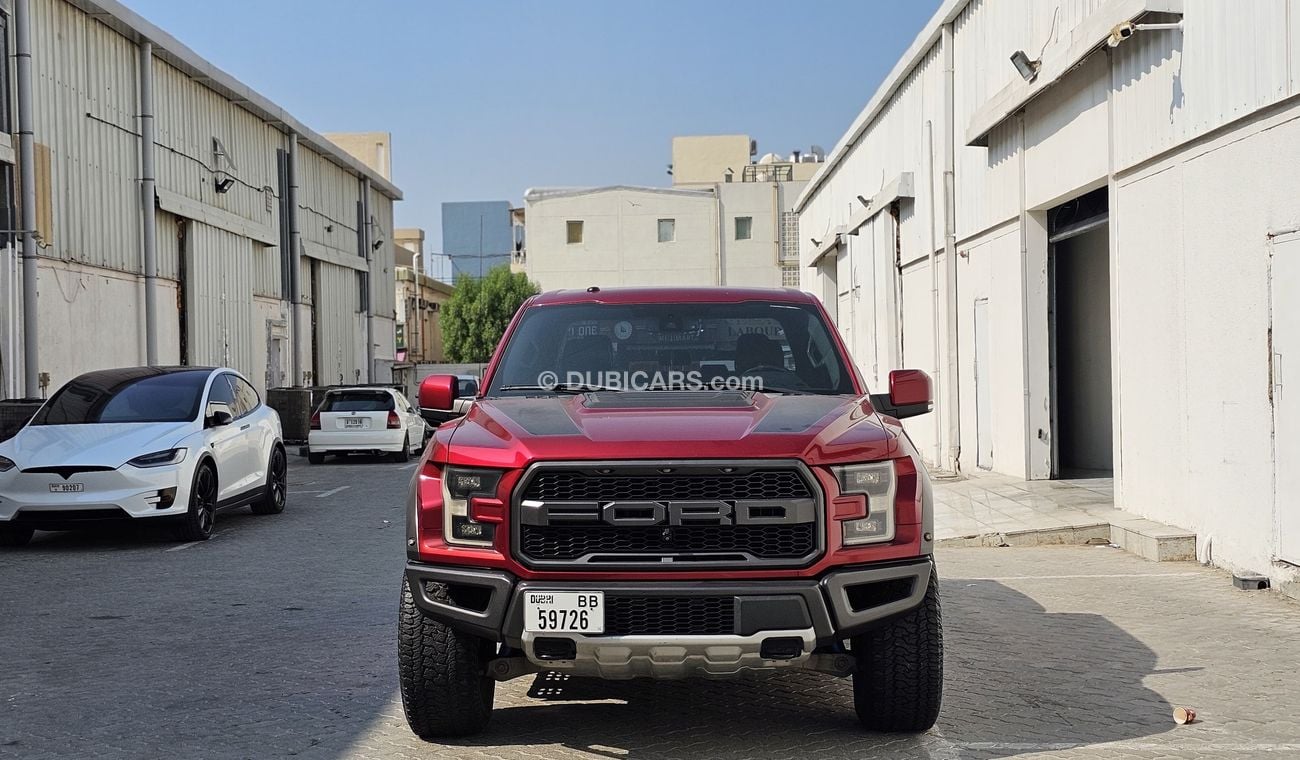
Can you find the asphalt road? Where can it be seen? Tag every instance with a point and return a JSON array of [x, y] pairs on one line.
[[277, 638]]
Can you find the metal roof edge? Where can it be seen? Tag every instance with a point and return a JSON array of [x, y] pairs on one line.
[[915, 53], [533, 195], [132, 25]]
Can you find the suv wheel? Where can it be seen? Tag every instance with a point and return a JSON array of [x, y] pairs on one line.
[[898, 684], [445, 691], [11, 536], [196, 523], [277, 485]]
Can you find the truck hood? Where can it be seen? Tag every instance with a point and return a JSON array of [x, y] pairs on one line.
[[513, 432], [99, 445]]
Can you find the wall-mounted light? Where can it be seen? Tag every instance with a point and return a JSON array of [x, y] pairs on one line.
[[223, 184], [1027, 68], [816, 243], [864, 201]]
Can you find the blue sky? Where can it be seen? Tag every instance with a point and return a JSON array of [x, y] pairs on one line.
[[485, 99]]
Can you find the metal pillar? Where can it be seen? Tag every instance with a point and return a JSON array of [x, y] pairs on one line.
[[27, 177], [147, 200], [295, 267]]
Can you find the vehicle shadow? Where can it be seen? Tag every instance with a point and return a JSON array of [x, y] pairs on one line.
[[1018, 680]]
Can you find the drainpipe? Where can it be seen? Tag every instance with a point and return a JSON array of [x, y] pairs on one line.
[[295, 266], [940, 375], [717, 215], [950, 253], [147, 214], [27, 177], [367, 241]]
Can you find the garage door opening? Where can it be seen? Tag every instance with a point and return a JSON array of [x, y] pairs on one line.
[[1079, 313]]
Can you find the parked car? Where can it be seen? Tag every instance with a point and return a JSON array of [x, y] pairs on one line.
[[365, 420], [143, 444], [670, 482], [466, 390]]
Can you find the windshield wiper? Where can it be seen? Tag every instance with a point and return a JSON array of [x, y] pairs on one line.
[[561, 388]]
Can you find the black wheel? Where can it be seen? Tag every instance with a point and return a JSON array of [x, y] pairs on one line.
[[315, 458], [404, 455], [15, 536], [898, 685], [196, 525], [277, 485], [445, 691]]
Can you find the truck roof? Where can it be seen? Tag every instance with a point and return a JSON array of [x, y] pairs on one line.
[[671, 294]]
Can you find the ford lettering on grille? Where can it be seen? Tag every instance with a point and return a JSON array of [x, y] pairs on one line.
[[706, 515]]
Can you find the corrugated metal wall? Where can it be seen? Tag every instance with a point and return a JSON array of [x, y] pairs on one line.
[[1230, 60], [168, 234], [327, 200], [84, 82], [337, 319], [219, 299], [383, 290]]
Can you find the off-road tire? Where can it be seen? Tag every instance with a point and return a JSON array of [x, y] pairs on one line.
[[276, 491], [315, 458], [445, 691], [196, 524], [898, 684], [15, 536], [403, 454]]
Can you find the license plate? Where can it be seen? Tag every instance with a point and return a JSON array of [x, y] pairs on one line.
[[564, 611], [67, 487], [352, 422]]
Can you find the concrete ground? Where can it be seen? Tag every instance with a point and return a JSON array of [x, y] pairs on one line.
[[277, 639], [987, 506]]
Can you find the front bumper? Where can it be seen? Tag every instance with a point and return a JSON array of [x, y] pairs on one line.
[[124, 493], [775, 624]]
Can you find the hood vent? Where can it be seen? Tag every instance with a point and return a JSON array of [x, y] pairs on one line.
[[670, 400]]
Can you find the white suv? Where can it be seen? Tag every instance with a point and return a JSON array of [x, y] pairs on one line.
[[143, 443]]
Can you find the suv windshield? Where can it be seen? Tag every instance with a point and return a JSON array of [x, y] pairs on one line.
[[109, 397], [751, 345], [358, 401]]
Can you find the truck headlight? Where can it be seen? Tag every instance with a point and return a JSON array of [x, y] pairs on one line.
[[877, 482], [458, 487]]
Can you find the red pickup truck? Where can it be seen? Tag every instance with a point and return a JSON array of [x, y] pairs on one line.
[[671, 482]]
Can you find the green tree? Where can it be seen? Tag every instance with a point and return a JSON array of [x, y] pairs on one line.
[[479, 311]]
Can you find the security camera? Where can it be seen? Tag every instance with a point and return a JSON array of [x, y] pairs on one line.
[[1120, 33]]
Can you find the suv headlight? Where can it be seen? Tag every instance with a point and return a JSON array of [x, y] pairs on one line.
[[877, 482], [459, 485], [6, 464], [159, 458]]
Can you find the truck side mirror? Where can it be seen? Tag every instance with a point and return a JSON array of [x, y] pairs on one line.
[[438, 392], [910, 394]]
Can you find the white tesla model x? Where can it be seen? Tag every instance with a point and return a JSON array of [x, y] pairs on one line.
[[143, 443]]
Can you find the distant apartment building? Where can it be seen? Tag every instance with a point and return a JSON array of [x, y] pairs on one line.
[[727, 220], [420, 300], [476, 236]]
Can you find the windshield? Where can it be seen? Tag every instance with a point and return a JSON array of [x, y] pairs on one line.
[[115, 397], [753, 345]]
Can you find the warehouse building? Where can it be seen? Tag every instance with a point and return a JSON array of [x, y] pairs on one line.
[[175, 216], [1082, 218]]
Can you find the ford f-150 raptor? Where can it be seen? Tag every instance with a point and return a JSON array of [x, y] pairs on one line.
[[671, 482]]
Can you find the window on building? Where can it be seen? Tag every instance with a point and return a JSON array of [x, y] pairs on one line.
[[789, 275], [363, 292], [744, 227], [667, 230], [573, 232]]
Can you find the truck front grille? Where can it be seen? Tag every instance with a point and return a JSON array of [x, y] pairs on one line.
[[670, 615], [667, 515]]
